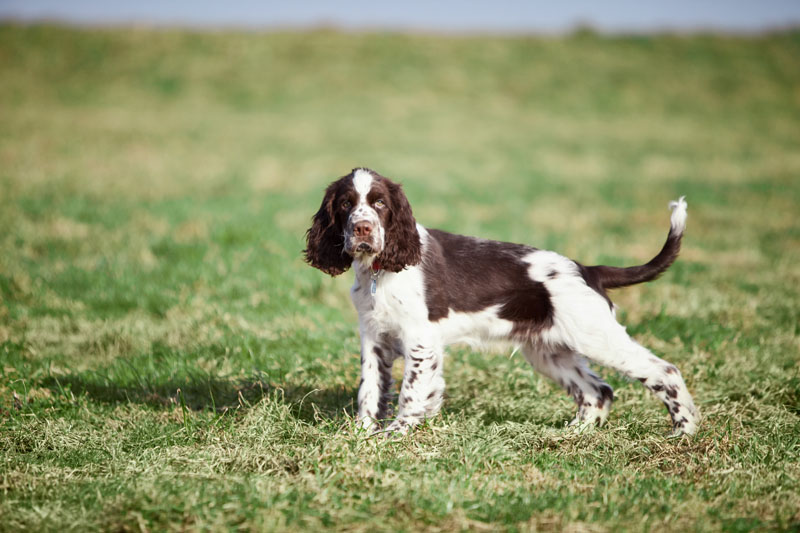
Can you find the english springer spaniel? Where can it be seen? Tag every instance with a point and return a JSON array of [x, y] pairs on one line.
[[417, 290]]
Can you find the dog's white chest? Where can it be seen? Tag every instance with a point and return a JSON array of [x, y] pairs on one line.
[[390, 301]]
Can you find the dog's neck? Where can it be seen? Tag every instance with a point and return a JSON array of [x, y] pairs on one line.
[[368, 272]]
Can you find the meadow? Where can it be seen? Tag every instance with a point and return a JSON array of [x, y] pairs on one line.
[[168, 361]]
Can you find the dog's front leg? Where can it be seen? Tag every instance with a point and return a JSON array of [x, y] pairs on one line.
[[423, 387], [376, 383]]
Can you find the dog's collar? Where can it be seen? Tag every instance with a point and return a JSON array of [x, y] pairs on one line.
[[376, 265]]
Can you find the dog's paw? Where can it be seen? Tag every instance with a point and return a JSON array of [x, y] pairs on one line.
[[396, 430], [685, 427], [580, 427], [367, 425], [589, 418]]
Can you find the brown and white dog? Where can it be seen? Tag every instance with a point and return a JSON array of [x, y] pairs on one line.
[[418, 290]]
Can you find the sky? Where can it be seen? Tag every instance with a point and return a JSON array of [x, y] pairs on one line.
[[497, 16]]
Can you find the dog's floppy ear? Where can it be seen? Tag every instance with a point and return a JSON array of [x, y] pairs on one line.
[[325, 239], [402, 246]]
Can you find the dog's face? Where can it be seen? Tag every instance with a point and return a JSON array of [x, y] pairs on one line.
[[363, 216], [365, 208]]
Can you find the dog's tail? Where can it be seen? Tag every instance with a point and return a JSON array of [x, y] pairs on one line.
[[609, 277]]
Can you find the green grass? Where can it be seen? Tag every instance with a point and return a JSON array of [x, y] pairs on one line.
[[168, 362]]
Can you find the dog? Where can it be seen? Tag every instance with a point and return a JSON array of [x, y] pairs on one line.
[[418, 290]]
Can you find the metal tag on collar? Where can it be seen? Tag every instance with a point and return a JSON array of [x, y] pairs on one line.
[[376, 270]]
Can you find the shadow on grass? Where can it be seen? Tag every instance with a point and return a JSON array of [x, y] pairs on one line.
[[208, 393], [220, 395], [505, 410]]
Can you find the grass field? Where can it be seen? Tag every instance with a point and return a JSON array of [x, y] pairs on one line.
[[168, 362]]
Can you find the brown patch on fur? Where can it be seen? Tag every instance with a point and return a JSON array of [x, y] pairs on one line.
[[325, 238], [468, 274], [402, 246]]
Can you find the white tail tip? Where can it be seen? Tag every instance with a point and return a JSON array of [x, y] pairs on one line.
[[678, 218]]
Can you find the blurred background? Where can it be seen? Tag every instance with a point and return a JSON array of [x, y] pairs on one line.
[[449, 15]]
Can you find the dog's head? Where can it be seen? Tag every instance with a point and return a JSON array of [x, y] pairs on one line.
[[363, 217]]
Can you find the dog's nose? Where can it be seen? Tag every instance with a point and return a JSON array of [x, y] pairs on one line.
[[362, 229]]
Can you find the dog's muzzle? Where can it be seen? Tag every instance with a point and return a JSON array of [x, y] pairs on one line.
[[362, 238]]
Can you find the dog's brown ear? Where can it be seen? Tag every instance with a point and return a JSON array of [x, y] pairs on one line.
[[325, 238], [402, 246]]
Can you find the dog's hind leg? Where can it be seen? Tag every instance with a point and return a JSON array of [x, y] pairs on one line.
[[592, 395], [605, 341], [583, 322]]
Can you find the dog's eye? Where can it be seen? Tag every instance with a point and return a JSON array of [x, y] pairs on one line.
[[346, 205], [379, 203]]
